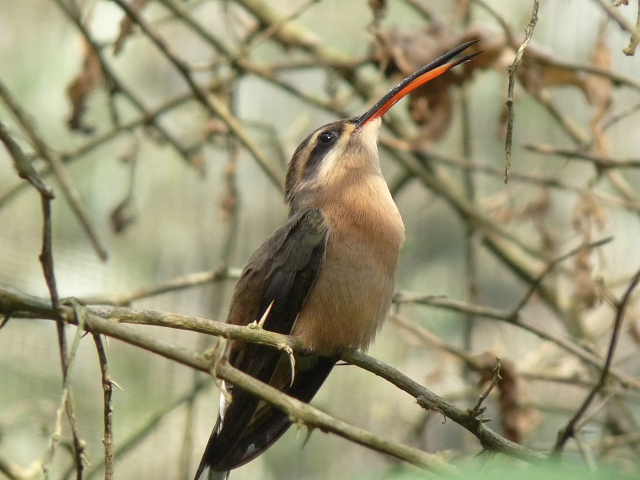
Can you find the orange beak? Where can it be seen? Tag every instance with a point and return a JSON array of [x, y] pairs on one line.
[[417, 79]]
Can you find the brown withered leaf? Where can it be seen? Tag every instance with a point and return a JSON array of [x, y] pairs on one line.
[[229, 202], [500, 207], [197, 160], [599, 91], [432, 109], [588, 215], [538, 71], [459, 12], [405, 52], [493, 45], [124, 214], [508, 394], [633, 321], [79, 89], [214, 126], [584, 286], [378, 8], [126, 25], [539, 207]]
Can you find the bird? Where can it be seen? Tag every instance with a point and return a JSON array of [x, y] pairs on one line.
[[326, 276]]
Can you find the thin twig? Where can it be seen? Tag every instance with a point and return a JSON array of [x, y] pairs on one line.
[[478, 409], [55, 436], [542, 180], [211, 102], [528, 32], [470, 247], [490, 440], [620, 307], [142, 432], [14, 471], [107, 388], [69, 192], [533, 286], [118, 86], [23, 165], [624, 24], [176, 284], [26, 171], [78, 443], [599, 161]]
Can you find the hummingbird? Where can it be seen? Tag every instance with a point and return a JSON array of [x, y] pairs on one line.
[[326, 276]]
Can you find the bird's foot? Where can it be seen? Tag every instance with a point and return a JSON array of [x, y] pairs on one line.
[[292, 359]]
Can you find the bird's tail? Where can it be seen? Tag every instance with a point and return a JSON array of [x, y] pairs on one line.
[[205, 473]]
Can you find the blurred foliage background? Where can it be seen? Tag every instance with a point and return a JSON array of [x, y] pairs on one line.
[[170, 188]]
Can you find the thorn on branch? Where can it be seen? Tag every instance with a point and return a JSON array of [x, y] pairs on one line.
[[427, 405], [260, 323], [310, 429]]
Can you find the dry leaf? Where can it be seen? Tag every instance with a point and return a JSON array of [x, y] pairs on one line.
[[633, 322], [508, 394], [78, 90], [214, 126], [587, 217], [538, 207], [588, 214], [197, 160], [599, 91], [584, 287], [405, 52], [378, 8], [229, 202], [538, 71], [124, 214], [126, 25]]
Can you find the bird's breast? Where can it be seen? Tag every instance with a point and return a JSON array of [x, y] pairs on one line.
[[355, 284]]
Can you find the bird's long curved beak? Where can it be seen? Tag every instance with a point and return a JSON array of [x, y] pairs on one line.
[[409, 84]]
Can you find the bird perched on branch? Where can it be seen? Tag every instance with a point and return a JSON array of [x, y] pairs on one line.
[[326, 276]]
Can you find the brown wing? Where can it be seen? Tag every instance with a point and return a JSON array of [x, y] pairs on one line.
[[281, 273]]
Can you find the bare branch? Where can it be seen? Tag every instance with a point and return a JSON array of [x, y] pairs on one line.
[[624, 24], [620, 308], [528, 33], [107, 387], [68, 190], [96, 324]]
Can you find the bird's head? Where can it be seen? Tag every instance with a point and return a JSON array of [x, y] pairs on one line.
[[337, 151]]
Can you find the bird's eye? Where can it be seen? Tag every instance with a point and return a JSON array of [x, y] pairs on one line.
[[327, 138]]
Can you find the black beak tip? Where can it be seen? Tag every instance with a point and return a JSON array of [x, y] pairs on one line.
[[439, 62]]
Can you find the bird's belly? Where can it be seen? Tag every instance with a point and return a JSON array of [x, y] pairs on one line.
[[350, 298]]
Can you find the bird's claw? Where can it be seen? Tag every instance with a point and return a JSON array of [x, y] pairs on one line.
[[292, 359]]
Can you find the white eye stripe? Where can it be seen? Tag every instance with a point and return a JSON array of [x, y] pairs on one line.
[[327, 167], [319, 146]]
